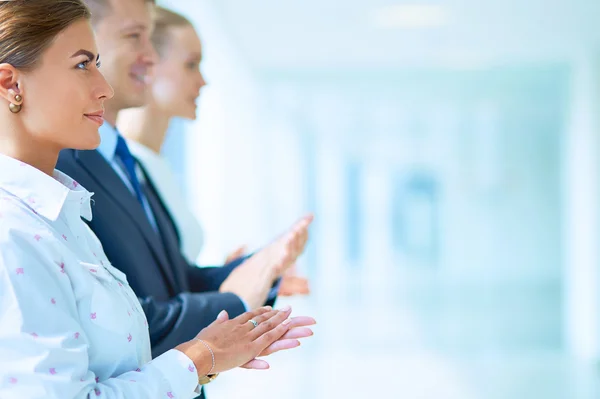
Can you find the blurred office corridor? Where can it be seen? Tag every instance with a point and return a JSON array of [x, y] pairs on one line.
[[405, 338], [451, 154]]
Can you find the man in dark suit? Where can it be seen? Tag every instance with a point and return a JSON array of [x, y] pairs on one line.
[[135, 228]]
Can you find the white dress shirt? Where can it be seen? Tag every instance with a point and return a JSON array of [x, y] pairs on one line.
[[165, 182], [70, 325]]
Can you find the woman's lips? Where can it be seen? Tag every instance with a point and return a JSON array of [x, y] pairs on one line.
[[97, 118]]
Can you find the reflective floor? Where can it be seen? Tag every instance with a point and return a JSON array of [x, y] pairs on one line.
[[408, 335]]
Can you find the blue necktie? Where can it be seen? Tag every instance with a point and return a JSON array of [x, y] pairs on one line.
[[128, 161]]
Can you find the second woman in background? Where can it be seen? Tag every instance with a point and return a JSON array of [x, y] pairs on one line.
[[176, 86]]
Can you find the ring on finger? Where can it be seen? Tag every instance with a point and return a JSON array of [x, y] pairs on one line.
[[254, 323]]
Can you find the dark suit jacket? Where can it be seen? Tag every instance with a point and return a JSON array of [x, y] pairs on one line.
[[179, 299]]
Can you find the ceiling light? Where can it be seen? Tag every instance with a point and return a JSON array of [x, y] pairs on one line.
[[410, 16]]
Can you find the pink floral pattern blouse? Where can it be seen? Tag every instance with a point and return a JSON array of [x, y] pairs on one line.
[[70, 325]]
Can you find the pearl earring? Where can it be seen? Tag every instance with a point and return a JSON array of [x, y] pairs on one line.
[[16, 108]]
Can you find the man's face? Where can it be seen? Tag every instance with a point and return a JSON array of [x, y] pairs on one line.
[[123, 38]]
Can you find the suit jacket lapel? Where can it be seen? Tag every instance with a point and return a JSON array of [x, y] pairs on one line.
[[108, 179], [168, 232]]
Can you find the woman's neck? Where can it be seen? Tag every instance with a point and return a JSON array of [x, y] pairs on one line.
[[24, 148], [145, 125]]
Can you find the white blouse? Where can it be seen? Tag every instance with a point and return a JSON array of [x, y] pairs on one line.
[[70, 325], [165, 181]]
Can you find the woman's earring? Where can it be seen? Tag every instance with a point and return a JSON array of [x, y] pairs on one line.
[[16, 108]]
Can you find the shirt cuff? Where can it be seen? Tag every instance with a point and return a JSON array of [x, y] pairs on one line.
[[179, 371], [246, 307], [272, 294]]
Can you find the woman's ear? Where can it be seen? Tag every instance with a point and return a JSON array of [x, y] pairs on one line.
[[9, 84]]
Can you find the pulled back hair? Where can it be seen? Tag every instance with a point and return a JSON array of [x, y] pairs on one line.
[[29, 27], [101, 8], [164, 20]]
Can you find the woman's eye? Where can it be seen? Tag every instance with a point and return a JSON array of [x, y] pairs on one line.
[[83, 65], [135, 36], [98, 64]]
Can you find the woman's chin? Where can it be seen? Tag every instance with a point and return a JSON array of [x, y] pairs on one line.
[[91, 143], [188, 114]]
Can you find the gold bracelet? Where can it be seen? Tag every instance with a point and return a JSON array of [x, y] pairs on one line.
[[207, 378]]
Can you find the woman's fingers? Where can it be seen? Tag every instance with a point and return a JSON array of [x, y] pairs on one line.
[[256, 364], [302, 321], [280, 345], [294, 285], [246, 317], [271, 323], [289, 340], [223, 316], [260, 319], [273, 335], [297, 333]]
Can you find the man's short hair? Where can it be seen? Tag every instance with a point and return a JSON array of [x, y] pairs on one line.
[[101, 8]]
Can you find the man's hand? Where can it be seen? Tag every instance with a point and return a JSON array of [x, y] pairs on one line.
[[238, 253], [252, 280], [292, 285]]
